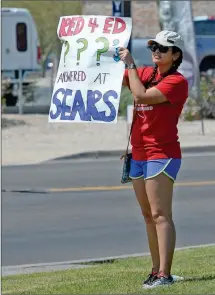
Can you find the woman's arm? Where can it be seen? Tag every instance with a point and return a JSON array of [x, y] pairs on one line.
[[141, 95]]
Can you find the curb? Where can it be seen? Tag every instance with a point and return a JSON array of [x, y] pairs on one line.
[[111, 154], [27, 109], [118, 153], [52, 266]]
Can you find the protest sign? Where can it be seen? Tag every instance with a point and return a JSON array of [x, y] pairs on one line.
[[90, 73]]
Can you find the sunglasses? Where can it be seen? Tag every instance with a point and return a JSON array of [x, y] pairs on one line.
[[162, 49]]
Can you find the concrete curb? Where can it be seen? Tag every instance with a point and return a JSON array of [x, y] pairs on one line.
[[27, 109], [110, 154], [74, 264], [118, 153]]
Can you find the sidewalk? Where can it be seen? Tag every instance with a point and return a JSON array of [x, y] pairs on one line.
[[37, 140]]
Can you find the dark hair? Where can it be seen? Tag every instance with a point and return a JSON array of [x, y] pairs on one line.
[[172, 70]]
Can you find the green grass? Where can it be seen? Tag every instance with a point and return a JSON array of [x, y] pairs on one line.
[[123, 276]]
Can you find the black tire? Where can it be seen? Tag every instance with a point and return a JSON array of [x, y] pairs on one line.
[[10, 100], [208, 63]]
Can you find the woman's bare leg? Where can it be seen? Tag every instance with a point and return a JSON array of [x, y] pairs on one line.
[[159, 191], [140, 191]]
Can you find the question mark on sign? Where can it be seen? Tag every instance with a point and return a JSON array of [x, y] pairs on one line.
[[85, 43], [66, 43], [102, 50], [115, 42], [116, 56]]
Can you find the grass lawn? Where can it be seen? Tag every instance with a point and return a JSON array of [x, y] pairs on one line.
[[123, 276]]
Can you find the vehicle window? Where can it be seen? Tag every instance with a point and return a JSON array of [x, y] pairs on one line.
[[141, 54], [206, 27], [21, 37]]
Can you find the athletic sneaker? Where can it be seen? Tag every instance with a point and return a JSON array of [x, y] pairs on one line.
[[159, 281], [151, 277]]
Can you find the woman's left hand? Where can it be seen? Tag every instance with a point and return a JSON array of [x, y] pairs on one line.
[[125, 56]]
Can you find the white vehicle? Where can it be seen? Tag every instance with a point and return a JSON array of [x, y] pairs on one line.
[[20, 49]]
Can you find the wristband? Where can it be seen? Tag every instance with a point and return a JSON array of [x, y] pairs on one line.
[[130, 66]]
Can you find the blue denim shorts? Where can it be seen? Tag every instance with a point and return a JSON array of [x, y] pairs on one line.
[[151, 168]]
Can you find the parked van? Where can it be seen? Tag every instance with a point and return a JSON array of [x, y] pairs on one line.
[[20, 49], [205, 42]]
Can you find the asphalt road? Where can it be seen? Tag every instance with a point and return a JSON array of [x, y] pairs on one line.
[[78, 220]]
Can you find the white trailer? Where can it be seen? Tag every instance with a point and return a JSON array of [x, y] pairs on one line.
[[20, 49]]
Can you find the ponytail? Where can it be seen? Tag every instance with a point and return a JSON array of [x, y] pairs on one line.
[[152, 77]]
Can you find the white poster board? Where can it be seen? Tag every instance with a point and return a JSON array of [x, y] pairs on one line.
[[89, 78]]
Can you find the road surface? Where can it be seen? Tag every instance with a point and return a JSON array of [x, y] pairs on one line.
[[69, 210]]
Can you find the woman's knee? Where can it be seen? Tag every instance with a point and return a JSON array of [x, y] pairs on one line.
[[147, 216], [161, 217]]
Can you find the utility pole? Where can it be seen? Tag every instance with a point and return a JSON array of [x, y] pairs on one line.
[[127, 13], [122, 8]]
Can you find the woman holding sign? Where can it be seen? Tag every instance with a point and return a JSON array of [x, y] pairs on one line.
[[159, 95]]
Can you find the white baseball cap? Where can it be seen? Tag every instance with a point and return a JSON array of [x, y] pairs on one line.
[[168, 38]]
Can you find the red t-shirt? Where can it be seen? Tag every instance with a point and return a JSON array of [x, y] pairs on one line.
[[155, 133]]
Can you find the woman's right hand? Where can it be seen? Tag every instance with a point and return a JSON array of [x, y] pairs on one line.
[[125, 56]]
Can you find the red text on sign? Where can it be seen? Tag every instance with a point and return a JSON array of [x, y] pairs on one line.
[[93, 24], [114, 25], [71, 26]]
